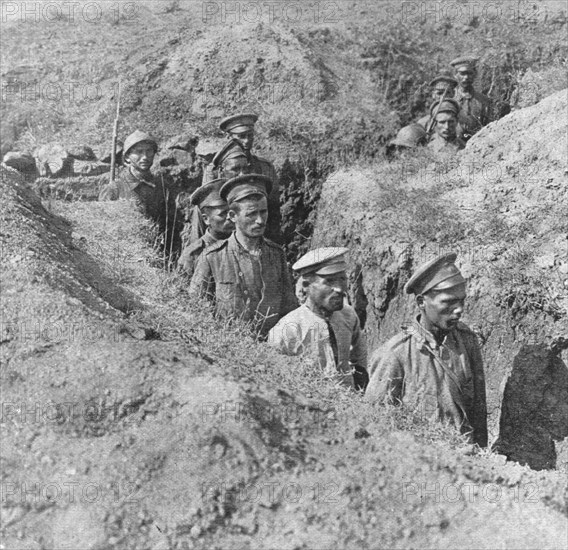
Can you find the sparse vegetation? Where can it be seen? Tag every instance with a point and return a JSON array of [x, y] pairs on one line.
[[194, 411]]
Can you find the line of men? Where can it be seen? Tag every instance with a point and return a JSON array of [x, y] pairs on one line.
[[433, 365], [458, 111]]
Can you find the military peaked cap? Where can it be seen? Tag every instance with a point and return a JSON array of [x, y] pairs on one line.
[[238, 123], [208, 195], [447, 106], [465, 61], [444, 78], [322, 261], [438, 274], [244, 186]]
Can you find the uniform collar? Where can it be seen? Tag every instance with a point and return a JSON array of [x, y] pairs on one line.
[[423, 337], [236, 245], [134, 181]]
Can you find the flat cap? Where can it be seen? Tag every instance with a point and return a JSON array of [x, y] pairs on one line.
[[209, 194], [231, 149], [447, 106], [238, 123], [465, 60], [438, 274], [244, 186], [444, 78], [322, 261], [137, 137]]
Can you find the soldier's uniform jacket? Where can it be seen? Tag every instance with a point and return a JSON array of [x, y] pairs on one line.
[[155, 199], [190, 254], [257, 289], [149, 192], [304, 332], [440, 382], [438, 144], [475, 111]]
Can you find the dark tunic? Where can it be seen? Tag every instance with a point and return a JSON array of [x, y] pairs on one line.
[[440, 382], [256, 289], [154, 198], [190, 254], [476, 111]]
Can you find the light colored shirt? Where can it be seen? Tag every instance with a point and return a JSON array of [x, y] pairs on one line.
[[304, 332], [440, 382]]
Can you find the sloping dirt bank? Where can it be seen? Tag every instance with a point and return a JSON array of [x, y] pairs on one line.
[[130, 419], [501, 203]]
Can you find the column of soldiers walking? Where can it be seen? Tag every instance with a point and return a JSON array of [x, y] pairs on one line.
[[457, 112], [234, 262]]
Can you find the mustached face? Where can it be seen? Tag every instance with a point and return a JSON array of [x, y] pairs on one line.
[[443, 308], [250, 216], [217, 220], [446, 124], [465, 77], [327, 292]]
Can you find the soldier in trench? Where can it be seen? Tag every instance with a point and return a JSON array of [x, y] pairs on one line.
[[434, 365], [246, 276], [154, 196], [325, 324]]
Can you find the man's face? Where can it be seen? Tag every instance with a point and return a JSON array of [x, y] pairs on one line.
[[218, 222], [327, 291], [446, 124], [465, 77], [233, 167], [141, 156], [444, 308], [250, 217], [246, 137], [440, 88]]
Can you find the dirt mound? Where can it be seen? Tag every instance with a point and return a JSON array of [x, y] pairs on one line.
[[164, 429], [501, 203]]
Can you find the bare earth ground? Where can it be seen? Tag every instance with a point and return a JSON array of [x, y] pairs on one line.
[[131, 419], [155, 432]]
